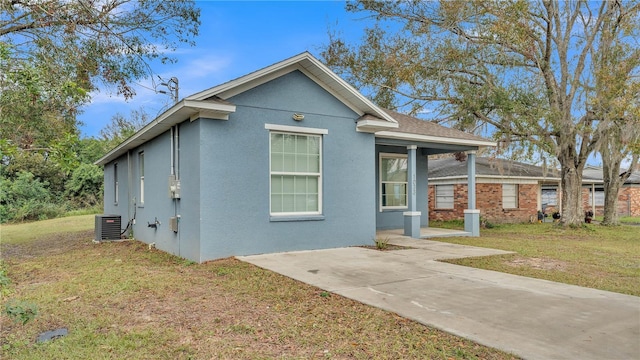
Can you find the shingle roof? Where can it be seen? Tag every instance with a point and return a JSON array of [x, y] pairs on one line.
[[595, 172], [411, 125], [450, 167]]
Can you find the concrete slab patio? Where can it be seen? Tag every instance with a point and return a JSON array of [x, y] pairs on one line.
[[534, 319]]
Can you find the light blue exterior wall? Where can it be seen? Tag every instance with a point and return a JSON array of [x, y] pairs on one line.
[[224, 174], [393, 219], [235, 173], [157, 203]]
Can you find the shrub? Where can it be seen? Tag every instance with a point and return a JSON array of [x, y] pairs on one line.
[[26, 198], [84, 188]]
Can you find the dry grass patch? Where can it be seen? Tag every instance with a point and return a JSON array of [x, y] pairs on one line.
[[123, 300]]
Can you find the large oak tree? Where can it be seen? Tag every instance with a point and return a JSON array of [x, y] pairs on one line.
[[53, 53], [519, 70]]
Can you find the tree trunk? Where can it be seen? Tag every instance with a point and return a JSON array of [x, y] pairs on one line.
[[611, 203], [571, 181]]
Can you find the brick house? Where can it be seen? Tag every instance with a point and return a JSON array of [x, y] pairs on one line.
[[510, 191], [593, 193]]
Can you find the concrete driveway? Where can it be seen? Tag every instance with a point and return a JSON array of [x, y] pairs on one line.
[[534, 319]]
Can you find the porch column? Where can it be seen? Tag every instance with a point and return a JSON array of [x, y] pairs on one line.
[[471, 214], [411, 216]]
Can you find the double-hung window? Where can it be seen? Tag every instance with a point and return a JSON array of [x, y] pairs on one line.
[[509, 196], [444, 196], [296, 173], [393, 181]]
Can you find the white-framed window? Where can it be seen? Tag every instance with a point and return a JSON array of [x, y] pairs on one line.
[[296, 173], [549, 196], [509, 196], [116, 188], [444, 196], [393, 181], [141, 172], [599, 196]]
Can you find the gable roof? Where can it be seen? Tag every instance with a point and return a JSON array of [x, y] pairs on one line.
[[213, 103], [310, 66]]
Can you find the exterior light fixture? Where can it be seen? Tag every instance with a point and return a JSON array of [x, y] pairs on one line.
[[298, 117]]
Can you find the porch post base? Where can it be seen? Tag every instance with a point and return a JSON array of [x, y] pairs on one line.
[[412, 223], [472, 221]]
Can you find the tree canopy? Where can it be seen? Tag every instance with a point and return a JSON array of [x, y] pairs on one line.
[[520, 71]]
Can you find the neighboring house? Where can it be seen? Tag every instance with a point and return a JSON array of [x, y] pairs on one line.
[[286, 158], [510, 191], [593, 193]]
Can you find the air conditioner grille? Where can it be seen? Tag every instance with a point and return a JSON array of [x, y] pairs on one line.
[[108, 227]]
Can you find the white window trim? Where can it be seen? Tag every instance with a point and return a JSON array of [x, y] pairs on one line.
[[517, 200], [435, 197], [394, 156], [294, 129], [276, 129]]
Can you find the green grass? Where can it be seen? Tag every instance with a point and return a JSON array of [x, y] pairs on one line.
[[623, 219], [20, 233], [594, 256], [124, 300]]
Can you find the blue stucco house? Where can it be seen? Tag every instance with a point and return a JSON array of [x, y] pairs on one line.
[[289, 157]]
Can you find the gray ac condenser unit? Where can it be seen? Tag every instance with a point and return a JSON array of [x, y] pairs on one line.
[[108, 227]]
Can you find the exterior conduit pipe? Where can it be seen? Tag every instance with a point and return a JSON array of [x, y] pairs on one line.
[[171, 146]]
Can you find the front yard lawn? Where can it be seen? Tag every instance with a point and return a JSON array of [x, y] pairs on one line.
[[125, 301], [606, 258]]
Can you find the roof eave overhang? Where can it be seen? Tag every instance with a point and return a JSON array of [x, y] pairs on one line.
[[433, 139], [184, 110], [373, 126]]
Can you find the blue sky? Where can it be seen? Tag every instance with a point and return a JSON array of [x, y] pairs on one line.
[[236, 37]]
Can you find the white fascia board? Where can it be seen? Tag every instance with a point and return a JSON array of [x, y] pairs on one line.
[[371, 126], [432, 139], [206, 105], [179, 112], [495, 177]]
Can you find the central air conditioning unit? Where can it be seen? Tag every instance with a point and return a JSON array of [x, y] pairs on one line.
[[108, 227]]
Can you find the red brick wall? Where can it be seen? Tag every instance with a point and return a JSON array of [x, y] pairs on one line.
[[489, 201], [628, 201]]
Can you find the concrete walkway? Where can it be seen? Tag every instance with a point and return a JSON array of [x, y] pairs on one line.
[[534, 319]]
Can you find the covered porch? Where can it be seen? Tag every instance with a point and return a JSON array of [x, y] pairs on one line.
[[402, 166]]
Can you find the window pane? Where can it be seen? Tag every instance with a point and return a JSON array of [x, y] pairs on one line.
[[288, 186], [276, 203], [289, 162], [302, 163], [314, 145], [444, 196], [277, 145], [288, 202], [394, 194], [301, 145], [394, 169], [509, 196], [289, 143], [276, 184]]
